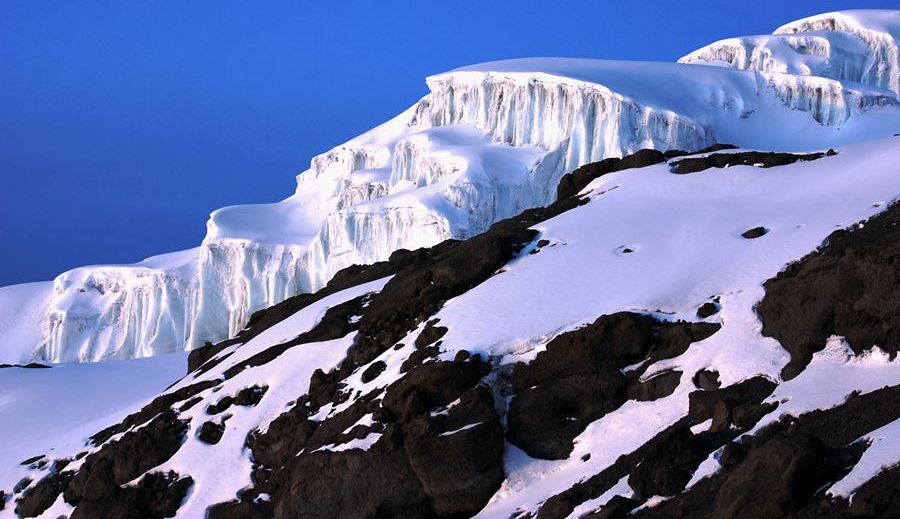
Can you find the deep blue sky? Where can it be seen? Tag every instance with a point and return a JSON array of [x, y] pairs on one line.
[[123, 124]]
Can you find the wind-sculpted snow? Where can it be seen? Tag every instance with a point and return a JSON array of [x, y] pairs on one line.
[[859, 46], [487, 142]]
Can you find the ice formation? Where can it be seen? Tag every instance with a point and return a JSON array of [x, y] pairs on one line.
[[486, 142], [858, 46]]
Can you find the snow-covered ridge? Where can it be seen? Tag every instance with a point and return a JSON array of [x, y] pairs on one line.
[[489, 141], [859, 46]]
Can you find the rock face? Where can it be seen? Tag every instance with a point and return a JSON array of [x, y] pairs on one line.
[[579, 378], [751, 158], [849, 288], [446, 465], [789, 462], [371, 398]]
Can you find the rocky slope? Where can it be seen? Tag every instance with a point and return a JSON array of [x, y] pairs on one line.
[[517, 299], [687, 372]]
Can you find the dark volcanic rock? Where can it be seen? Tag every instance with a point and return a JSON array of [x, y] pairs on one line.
[[784, 469], [430, 334], [160, 404], [661, 466], [878, 497], [572, 183], [259, 509], [431, 386], [707, 379], [749, 158], [40, 497], [286, 436], [658, 386], [98, 481], [156, 495], [354, 483], [247, 397], [617, 508], [211, 432], [849, 288], [336, 323], [31, 365], [220, 406], [418, 357], [458, 457], [707, 309], [738, 405], [797, 466], [668, 465], [420, 290], [250, 396], [22, 485], [199, 356], [122, 460], [424, 464], [32, 459], [578, 378], [756, 232], [372, 372], [543, 420]]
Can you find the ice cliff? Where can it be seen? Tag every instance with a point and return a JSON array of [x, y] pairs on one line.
[[487, 142], [859, 46]]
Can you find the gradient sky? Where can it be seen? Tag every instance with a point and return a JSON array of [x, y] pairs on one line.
[[123, 124]]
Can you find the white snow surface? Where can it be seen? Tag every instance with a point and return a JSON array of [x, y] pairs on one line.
[[59, 426], [685, 232], [53, 411], [831, 376], [621, 488], [883, 452], [22, 309], [487, 142]]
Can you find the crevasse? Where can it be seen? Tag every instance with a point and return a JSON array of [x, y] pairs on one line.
[[487, 142]]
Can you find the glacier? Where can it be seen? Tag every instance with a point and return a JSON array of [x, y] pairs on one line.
[[859, 46], [488, 141]]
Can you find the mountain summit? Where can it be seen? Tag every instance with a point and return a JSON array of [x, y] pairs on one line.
[[551, 288]]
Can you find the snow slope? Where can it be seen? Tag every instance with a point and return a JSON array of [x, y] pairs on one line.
[[487, 142], [55, 410], [22, 311]]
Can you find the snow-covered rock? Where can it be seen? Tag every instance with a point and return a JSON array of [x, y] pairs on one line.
[[685, 237], [487, 141]]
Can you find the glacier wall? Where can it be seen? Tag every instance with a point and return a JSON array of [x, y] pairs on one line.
[[486, 143], [841, 46], [115, 312], [581, 122], [829, 102]]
